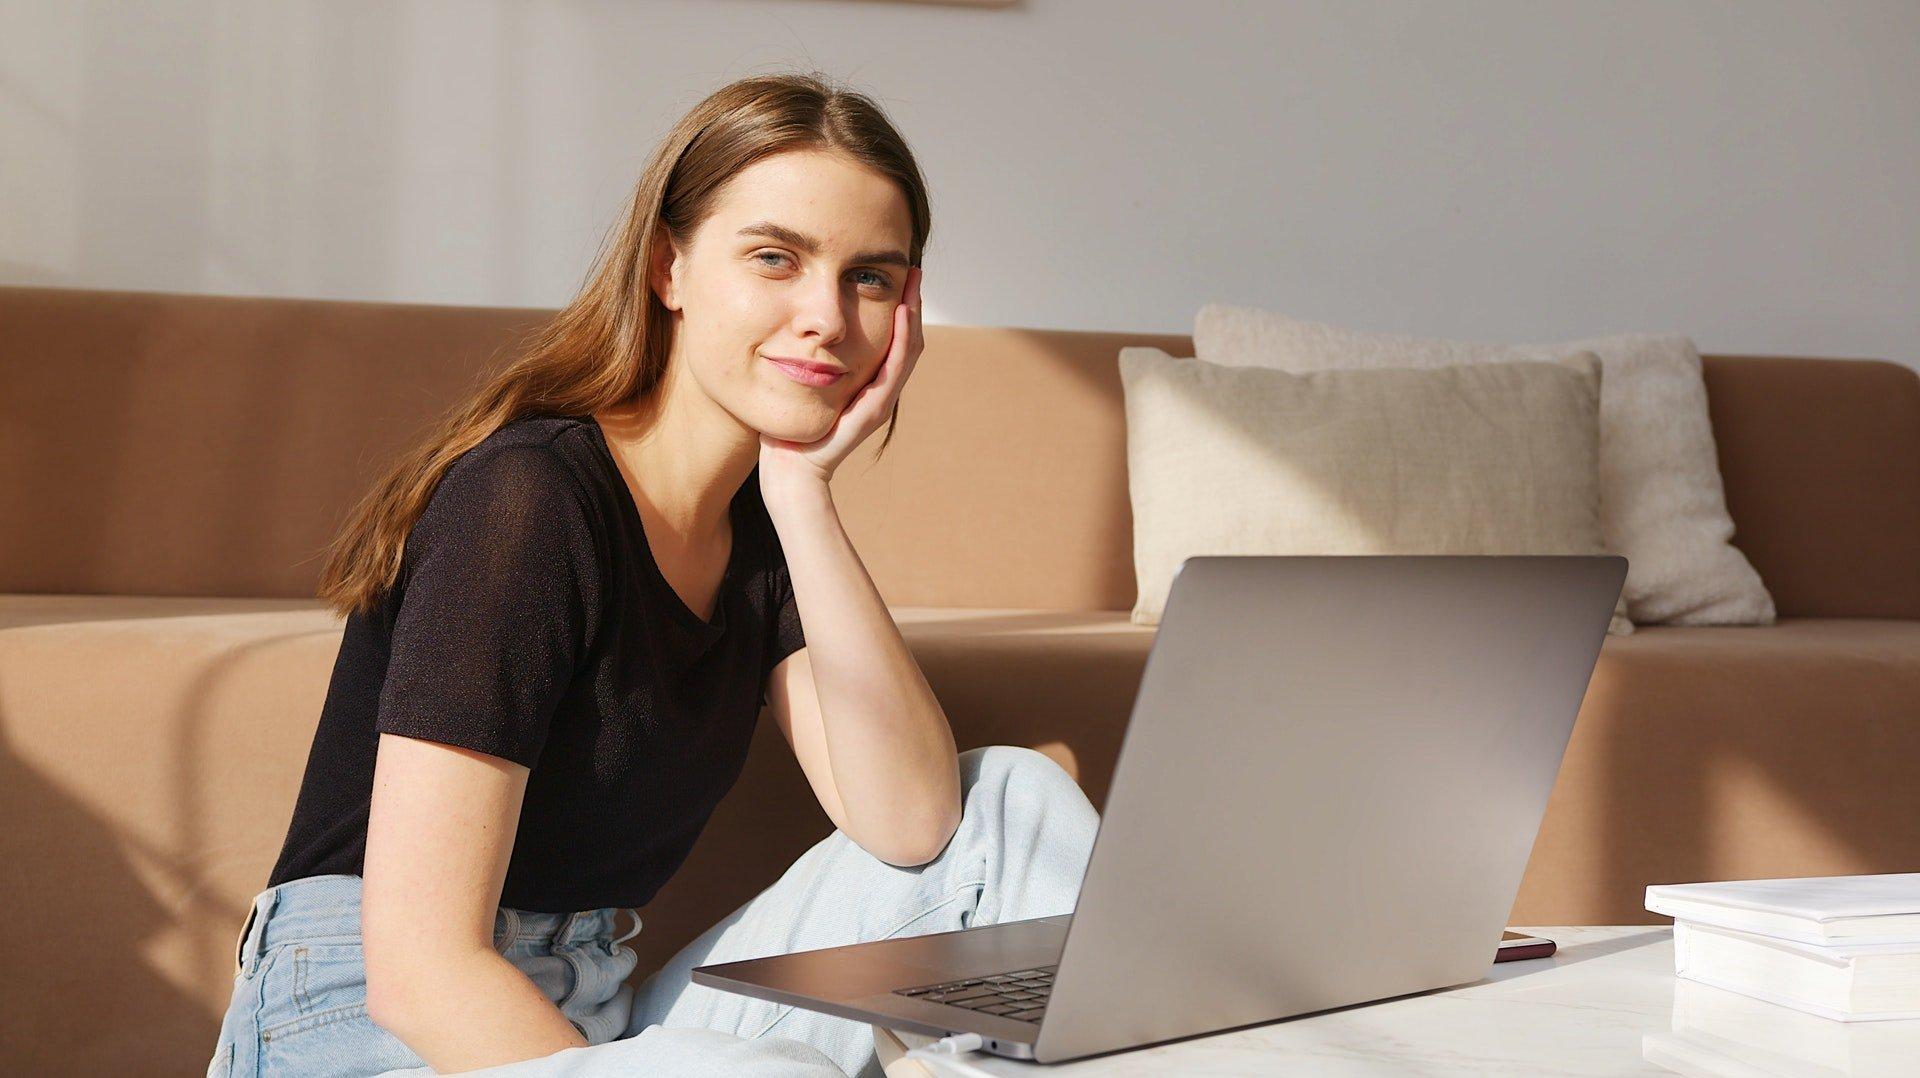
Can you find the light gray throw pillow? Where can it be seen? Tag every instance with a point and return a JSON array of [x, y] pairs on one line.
[[1662, 504]]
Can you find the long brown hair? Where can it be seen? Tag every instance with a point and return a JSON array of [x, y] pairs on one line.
[[611, 344]]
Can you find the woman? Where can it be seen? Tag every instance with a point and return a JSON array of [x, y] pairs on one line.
[[564, 613]]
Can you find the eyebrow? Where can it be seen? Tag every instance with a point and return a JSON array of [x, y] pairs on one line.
[[807, 243]]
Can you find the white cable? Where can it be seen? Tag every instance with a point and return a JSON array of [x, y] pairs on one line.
[[954, 1045]]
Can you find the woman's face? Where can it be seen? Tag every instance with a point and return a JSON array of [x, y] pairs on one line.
[[805, 259]]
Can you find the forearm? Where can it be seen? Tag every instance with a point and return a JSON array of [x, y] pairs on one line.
[[888, 741], [477, 1010]]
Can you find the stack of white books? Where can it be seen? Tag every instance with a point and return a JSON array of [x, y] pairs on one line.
[[1842, 947]]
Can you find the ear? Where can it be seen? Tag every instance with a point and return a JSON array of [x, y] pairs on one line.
[[663, 274]]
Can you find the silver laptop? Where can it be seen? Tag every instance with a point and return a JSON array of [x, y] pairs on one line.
[[1327, 791]]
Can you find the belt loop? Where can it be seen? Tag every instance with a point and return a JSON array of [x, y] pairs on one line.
[[510, 931], [564, 933], [247, 953], [631, 932]]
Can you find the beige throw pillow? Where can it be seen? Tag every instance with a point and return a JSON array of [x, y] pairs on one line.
[[1496, 458], [1661, 500]]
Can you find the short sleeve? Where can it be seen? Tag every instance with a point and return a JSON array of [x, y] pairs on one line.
[[784, 633], [500, 596]]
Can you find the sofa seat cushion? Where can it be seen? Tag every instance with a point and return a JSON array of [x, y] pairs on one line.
[[1732, 753], [153, 748]]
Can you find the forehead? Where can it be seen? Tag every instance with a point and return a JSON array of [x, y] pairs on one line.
[[839, 201]]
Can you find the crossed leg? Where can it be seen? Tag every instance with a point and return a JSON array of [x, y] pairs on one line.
[[1020, 851]]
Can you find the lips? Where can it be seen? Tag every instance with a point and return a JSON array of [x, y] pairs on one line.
[[824, 368], [806, 373]]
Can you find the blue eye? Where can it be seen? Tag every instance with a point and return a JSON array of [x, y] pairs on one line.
[[879, 279]]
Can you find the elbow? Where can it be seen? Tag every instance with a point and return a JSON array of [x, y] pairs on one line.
[[917, 848], [902, 857]]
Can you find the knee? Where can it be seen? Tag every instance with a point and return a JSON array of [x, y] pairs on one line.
[[1008, 768], [1021, 799]]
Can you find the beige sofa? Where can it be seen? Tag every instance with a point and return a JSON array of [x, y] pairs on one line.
[[171, 468]]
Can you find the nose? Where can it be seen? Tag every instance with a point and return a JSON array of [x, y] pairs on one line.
[[821, 313]]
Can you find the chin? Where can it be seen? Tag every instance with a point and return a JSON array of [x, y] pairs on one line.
[[798, 428]]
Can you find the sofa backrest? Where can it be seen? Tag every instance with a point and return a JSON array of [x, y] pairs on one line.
[[1821, 462], [163, 444]]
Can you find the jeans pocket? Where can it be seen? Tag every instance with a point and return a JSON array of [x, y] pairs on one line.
[[313, 1014], [340, 1041], [309, 985]]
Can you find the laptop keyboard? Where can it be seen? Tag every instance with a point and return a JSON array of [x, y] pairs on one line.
[[1020, 995]]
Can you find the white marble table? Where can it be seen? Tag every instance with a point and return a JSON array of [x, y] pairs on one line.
[[1607, 1003]]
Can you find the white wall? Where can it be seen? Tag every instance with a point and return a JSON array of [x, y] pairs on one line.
[[1743, 172]]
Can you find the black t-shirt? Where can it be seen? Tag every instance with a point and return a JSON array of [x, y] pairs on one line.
[[530, 621]]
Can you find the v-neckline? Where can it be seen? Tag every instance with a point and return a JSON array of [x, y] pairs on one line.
[[709, 628]]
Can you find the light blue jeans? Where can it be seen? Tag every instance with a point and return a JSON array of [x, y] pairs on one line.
[[1026, 830]]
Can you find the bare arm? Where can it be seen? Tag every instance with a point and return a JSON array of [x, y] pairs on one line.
[[861, 718], [439, 836]]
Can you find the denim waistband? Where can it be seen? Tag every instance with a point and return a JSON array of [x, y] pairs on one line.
[[328, 907]]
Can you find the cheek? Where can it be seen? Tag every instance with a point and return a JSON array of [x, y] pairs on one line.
[[737, 306], [877, 322], [736, 319]]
